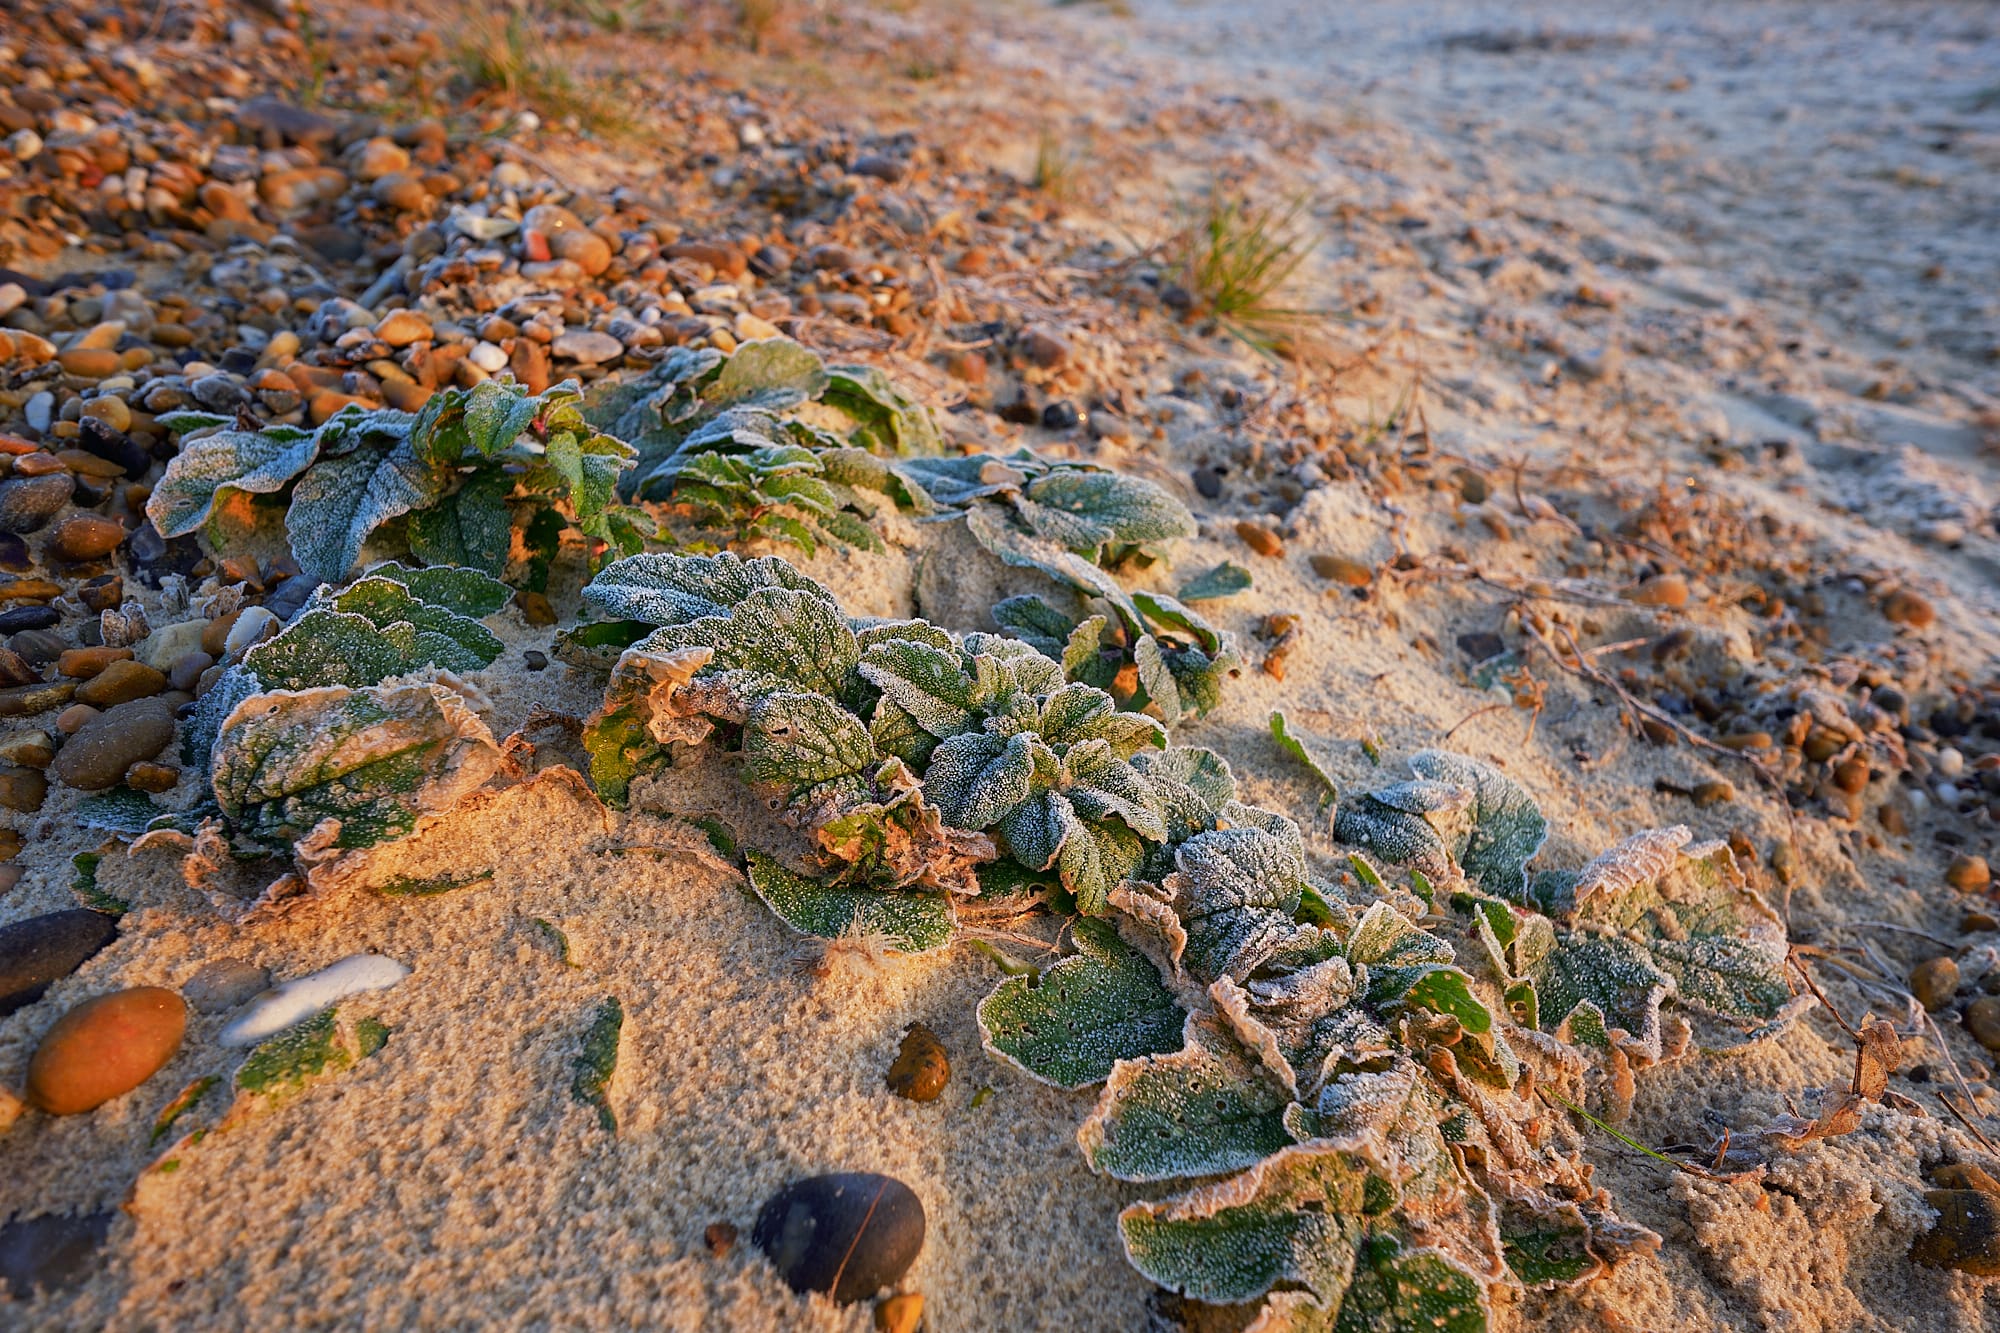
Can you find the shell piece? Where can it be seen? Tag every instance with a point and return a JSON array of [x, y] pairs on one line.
[[299, 999]]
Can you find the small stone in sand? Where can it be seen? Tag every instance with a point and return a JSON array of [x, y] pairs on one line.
[[849, 1234], [921, 1067], [42, 949], [224, 984], [104, 1048]]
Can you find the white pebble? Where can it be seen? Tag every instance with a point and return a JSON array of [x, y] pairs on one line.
[[1947, 793], [295, 1001], [1950, 762], [488, 358], [41, 412]]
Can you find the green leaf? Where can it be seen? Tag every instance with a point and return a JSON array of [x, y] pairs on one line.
[[472, 527], [83, 883], [591, 1074], [886, 421], [629, 735], [664, 589], [767, 373], [1102, 1004], [385, 602], [281, 1067], [1293, 746], [928, 683], [795, 742], [373, 760], [371, 630], [1200, 1111], [1225, 580], [480, 421], [207, 469], [121, 810], [465, 592], [911, 922], [1506, 829], [341, 500], [1084, 510], [1545, 1251], [1097, 856]]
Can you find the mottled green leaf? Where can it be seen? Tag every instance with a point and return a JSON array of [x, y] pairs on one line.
[[471, 527], [767, 373], [465, 592], [1102, 1004], [885, 419], [1506, 829], [340, 501], [664, 589], [373, 760], [253, 462], [1200, 1111], [597, 1062], [911, 922], [1281, 733]]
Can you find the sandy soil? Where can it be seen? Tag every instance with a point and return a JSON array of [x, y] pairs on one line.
[[1753, 197]]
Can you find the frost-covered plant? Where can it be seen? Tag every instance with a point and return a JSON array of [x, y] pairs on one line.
[[454, 473], [1148, 649], [341, 731], [910, 756], [1362, 1100]]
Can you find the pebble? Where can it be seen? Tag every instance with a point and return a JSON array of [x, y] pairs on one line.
[[1966, 1235], [1968, 873], [83, 537], [488, 357], [121, 682], [19, 618], [1934, 981], [224, 984], [849, 1234], [902, 1313], [1904, 607], [43, 949], [1340, 569], [28, 503], [586, 346], [1044, 346], [72, 719], [50, 1252], [921, 1067], [584, 248], [251, 626], [1982, 1020], [23, 789], [149, 776], [84, 663], [301, 998], [187, 668], [1660, 590], [1260, 539], [1061, 415], [400, 328], [97, 756], [28, 700], [104, 1048]]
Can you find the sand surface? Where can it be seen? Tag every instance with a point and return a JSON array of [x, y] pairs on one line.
[[1759, 190]]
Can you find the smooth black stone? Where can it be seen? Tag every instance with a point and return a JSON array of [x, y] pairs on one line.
[[1481, 645], [18, 618], [114, 446], [44, 949], [849, 1234], [50, 1252], [14, 557], [37, 647], [1208, 481], [1061, 415], [285, 601]]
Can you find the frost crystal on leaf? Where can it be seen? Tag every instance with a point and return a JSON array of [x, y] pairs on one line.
[[1082, 1016], [911, 922]]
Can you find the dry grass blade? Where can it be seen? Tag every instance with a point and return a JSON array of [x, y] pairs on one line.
[[1233, 257], [505, 53]]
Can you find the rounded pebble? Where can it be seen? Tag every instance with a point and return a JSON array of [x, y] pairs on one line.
[[98, 754], [1340, 569], [1968, 873], [50, 1251], [83, 537], [921, 1067], [1966, 1236], [22, 789], [40, 950], [1260, 539], [1934, 981], [849, 1234], [224, 984], [28, 503], [1982, 1020], [121, 682], [104, 1048]]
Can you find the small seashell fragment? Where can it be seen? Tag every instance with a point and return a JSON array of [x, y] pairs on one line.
[[297, 1000]]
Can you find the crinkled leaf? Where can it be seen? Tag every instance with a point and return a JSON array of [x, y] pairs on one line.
[[928, 683], [1103, 1004], [121, 810], [795, 742], [480, 421], [664, 589], [1084, 510], [628, 736], [462, 591], [912, 922], [767, 373], [340, 501], [1097, 856], [1506, 829], [372, 759], [255, 462], [886, 420], [1200, 1111], [471, 527]]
